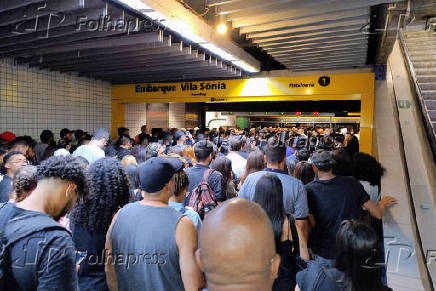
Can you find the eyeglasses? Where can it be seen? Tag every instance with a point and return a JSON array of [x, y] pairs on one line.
[[21, 161]]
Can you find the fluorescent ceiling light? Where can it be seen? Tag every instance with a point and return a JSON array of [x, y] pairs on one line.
[[186, 32]]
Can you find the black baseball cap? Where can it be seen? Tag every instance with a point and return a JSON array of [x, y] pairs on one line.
[[155, 173]]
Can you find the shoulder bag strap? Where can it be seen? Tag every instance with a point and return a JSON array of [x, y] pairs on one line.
[[294, 232], [207, 174]]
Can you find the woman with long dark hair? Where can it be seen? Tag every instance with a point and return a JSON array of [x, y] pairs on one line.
[[341, 162], [355, 266], [255, 163], [269, 195], [224, 166], [90, 219], [369, 172]]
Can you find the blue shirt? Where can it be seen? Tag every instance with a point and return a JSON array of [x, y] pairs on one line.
[[289, 151], [5, 188], [189, 212], [294, 193]]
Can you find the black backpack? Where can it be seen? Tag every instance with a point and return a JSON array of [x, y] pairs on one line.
[[13, 230]]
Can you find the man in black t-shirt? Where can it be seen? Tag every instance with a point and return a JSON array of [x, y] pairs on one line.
[[331, 200], [43, 256]]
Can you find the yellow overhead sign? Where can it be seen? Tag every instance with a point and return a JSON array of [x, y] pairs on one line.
[[321, 87], [355, 86]]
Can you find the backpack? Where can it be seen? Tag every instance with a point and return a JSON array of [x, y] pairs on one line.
[[13, 230], [203, 197]]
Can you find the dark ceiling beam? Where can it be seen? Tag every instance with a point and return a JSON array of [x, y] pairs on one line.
[[357, 60], [345, 32], [136, 78], [147, 64], [337, 28], [242, 8], [99, 43], [131, 63], [317, 56], [220, 68], [248, 17], [167, 78], [194, 67], [322, 39], [56, 8], [40, 46], [327, 18], [6, 5], [355, 49], [66, 29], [308, 49], [90, 55], [141, 56], [54, 21], [328, 67], [204, 67], [316, 45]]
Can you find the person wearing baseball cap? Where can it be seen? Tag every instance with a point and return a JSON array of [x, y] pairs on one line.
[[159, 241], [7, 136], [333, 199]]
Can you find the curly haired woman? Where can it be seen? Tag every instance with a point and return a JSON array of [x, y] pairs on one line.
[[91, 218]]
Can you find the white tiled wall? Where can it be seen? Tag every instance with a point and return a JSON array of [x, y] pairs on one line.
[[136, 116], [176, 115], [32, 100]]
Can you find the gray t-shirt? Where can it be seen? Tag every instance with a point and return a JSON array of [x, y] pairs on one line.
[[294, 193], [145, 250], [90, 152]]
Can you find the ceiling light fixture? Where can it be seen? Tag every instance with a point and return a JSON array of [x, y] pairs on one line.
[[187, 32], [221, 28]]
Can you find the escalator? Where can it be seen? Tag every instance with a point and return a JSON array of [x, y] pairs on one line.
[[405, 120]]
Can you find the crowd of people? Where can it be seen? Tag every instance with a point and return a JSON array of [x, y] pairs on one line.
[[191, 209]]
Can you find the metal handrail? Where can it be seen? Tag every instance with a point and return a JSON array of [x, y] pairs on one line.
[[427, 120]]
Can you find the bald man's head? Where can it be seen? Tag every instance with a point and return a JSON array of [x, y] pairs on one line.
[[237, 247]]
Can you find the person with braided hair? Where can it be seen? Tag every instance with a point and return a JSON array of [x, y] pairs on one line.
[[90, 219], [39, 254]]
